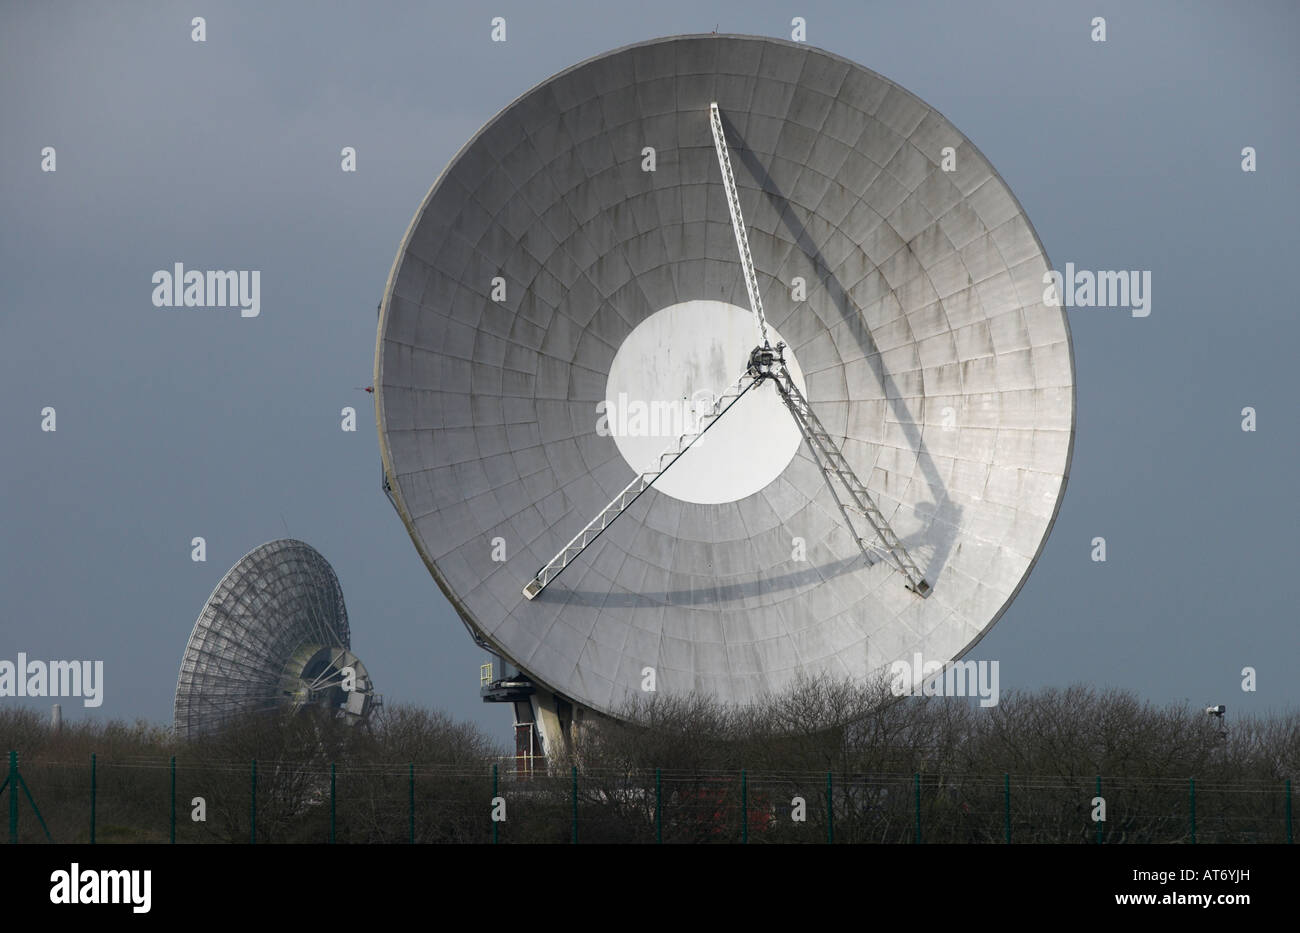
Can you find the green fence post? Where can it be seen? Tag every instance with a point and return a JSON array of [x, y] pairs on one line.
[[252, 808], [575, 805], [658, 806], [1006, 806], [1288, 811], [1191, 806], [92, 797], [916, 779], [494, 797], [830, 811], [333, 803], [11, 782], [744, 806], [1100, 823], [410, 787], [173, 828], [31, 801]]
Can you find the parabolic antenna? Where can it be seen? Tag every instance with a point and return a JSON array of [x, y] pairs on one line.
[[273, 635], [577, 285]]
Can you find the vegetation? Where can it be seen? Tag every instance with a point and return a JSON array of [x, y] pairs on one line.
[[672, 767]]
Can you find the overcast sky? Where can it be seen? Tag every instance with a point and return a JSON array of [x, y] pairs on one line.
[[225, 155]]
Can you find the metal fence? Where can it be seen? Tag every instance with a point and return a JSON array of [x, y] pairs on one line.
[[161, 800]]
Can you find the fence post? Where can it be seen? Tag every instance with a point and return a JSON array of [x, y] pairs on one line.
[[1006, 806], [830, 811], [1191, 810], [1100, 823], [916, 778], [14, 766], [494, 797], [575, 805], [744, 806], [410, 786], [27, 792], [333, 805], [659, 806], [252, 808], [1288, 811], [12, 783], [173, 829]]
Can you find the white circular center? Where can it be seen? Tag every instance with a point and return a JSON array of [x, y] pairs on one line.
[[664, 380]]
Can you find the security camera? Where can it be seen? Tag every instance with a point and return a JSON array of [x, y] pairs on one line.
[[1216, 710]]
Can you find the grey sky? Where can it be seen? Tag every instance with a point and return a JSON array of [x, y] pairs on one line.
[[225, 155]]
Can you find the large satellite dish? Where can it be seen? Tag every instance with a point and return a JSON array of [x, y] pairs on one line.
[[595, 279], [273, 635]]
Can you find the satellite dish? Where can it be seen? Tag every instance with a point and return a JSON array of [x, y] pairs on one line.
[[273, 635], [587, 275]]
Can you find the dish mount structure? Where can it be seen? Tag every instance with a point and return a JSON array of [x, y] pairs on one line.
[[714, 361]]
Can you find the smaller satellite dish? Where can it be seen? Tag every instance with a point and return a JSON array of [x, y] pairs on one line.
[[273, 635]]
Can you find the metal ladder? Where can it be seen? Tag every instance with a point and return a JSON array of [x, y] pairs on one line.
[[833, 465], [633, 490]]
